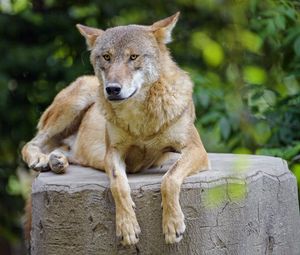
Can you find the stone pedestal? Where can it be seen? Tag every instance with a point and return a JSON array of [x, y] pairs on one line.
[[245, 205]]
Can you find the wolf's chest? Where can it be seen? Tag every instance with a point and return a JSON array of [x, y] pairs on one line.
[[134, 118], [139, 157]]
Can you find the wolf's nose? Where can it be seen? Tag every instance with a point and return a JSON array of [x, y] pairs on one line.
[[113, 89]]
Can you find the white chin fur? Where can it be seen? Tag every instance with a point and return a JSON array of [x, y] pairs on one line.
[[136, 83]]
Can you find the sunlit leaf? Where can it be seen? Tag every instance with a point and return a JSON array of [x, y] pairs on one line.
[[242, 150], [254, 75], [199, 40], [212, 51], [250, 41], [296, 171], [20, 5], [83, 10], [14, 187], [213, 54]]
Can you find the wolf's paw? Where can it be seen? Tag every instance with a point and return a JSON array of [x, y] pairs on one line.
[[41, 164], [58, 162], [173, 226], [127, 228]]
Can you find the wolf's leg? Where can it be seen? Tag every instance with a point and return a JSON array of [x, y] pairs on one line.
[[127, 227], [193, 159], [61, 119]]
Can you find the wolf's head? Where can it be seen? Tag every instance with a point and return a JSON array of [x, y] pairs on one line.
[[128, 58]]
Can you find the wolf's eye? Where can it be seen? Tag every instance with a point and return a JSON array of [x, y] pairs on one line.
[[133, 57], [106, 57]]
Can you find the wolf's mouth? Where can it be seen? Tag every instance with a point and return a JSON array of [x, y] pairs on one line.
[[118, 98]]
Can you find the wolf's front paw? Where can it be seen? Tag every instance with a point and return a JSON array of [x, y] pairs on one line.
[[173, 225], [58, 162], [127, 227], [41, 163]]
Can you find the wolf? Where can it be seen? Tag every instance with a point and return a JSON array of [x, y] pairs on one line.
[[129, 116]]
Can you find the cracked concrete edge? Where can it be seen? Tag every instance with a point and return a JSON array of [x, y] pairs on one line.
[[81, 178]]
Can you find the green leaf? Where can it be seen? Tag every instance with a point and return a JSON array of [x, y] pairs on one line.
[[211, 117], [250, 41], [270, 97], [242, 150], [297, 46], [296, 171], [262, 133], [225, 128], [213, 54], [254, 75], [204, 98], [280, 21]]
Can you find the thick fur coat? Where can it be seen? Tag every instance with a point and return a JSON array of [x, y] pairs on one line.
[[136, 110]]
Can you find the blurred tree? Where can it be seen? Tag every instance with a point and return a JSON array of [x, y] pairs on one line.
[[243, 55]]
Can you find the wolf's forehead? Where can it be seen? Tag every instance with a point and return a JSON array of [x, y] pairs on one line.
[[132, 36]]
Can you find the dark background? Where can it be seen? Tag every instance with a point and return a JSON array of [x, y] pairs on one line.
[[243, 55]]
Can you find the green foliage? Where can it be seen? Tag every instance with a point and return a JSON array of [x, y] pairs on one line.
[[243, 55]]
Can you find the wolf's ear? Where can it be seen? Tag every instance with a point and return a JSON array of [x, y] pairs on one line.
[[163, 29], [90, 34]]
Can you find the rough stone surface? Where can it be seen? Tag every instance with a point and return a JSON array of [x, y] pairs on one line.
[[245, 205]]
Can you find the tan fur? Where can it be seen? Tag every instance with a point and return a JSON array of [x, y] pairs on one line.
[[154, 116]]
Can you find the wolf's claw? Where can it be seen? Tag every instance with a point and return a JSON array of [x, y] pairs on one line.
[[41, 164], [173, 227], [127, 228]]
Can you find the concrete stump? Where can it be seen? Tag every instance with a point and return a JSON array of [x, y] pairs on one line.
[[245, 205]]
